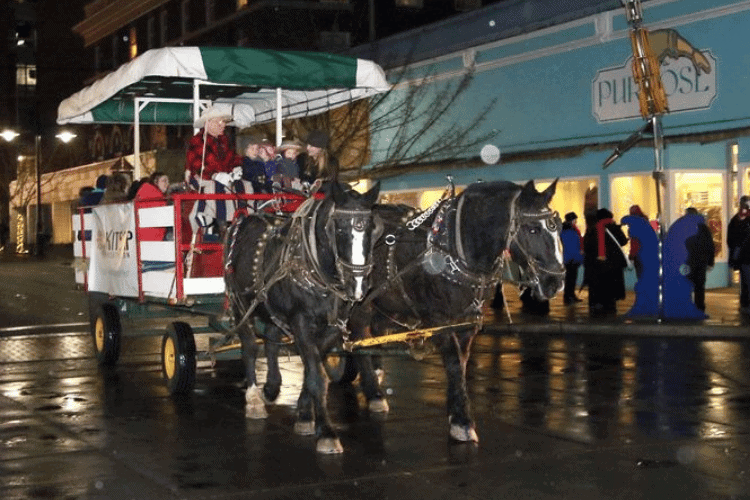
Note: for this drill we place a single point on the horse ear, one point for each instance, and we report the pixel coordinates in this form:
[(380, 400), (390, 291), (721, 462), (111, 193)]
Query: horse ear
[(550, 191), (371, 196), (337, 193), (529, 187)]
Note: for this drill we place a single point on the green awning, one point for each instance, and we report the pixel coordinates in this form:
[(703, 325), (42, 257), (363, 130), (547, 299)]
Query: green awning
[(242, 80)]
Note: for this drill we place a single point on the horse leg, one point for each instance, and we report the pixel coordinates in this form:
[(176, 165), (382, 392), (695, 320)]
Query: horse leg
[(255, 407), (368, 367), (455, 352), (316, 387), (272, 386), (305, 424)]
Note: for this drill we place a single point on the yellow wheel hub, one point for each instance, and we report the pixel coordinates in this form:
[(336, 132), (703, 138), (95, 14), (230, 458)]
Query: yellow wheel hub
[(99, 334), (169, 357)]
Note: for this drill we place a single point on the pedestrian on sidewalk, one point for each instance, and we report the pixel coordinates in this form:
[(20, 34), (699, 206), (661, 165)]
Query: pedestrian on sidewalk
[(738, 241), (700, 255), (605, 263), (635, 244), (572, 256)]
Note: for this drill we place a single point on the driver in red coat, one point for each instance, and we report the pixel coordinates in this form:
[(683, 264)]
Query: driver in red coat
[(218, 157)]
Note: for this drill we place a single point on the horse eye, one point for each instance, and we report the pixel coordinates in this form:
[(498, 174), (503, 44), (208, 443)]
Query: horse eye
[(534, 230)]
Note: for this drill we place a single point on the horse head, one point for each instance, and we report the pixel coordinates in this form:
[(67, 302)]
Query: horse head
[(535, 241), (351, 230)]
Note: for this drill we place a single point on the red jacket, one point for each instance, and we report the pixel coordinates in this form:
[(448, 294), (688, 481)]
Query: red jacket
[(148, 191), (220, 157)]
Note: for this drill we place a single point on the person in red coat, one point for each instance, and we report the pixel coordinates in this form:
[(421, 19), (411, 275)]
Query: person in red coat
[(152, 193), (209, 153), (213, 166)]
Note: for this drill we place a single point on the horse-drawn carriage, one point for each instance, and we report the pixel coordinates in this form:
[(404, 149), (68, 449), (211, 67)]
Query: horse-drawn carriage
[(340, 270), (125, 272)]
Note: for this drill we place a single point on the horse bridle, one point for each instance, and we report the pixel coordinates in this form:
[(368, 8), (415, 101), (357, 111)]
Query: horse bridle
[(359, 219), (552, 222)]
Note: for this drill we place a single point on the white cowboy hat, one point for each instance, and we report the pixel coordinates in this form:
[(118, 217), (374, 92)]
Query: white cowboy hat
[(212, 113)]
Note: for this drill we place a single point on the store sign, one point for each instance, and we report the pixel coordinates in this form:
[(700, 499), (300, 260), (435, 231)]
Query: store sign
[(614, 93)]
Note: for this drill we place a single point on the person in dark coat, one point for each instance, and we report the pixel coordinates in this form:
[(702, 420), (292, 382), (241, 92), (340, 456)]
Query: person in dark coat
[(605, 263), (700, 256), (253, 166), (572, 256), (738, 241), (318, 163)]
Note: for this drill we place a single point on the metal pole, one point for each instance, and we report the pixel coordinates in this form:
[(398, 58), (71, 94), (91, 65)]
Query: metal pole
[(659, 179), (38, 247)]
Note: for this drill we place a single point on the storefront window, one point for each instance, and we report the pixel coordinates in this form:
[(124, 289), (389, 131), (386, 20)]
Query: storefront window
[(703, 191), (629, 190), (571, 196), (421, 199)]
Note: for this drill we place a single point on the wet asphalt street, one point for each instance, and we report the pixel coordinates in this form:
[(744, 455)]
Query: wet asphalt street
[(578, 416)]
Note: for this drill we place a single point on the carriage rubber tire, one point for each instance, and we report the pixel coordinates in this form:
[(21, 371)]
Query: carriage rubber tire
[(341, 369), (178, 358), (107, 334)]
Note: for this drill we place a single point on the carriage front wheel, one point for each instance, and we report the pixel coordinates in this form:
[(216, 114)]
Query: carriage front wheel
[(107, 333), (340, 368), (178, 358)]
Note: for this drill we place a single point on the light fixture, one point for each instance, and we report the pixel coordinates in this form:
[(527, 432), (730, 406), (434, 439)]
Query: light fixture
[(66, 136), (9, 134)]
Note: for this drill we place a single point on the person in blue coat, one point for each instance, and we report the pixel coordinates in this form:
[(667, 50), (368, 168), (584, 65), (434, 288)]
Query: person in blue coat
[(572, 256)]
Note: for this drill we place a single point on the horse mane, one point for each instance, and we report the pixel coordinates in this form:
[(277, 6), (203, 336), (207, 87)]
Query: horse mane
[(486, 215)]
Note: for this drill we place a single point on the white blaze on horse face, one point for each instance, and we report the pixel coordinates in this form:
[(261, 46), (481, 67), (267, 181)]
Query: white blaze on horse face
[(558, 245), (358, 259)]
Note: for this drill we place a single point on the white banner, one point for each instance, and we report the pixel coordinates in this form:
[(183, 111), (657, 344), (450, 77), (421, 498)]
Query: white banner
[(614, 93), (114, 267)]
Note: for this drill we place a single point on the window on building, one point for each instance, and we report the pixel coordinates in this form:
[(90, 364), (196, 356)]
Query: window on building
[(573, 195), (133, 43), (26, 75), (241, 4), (25, 35), (703, 191), (412, 4)]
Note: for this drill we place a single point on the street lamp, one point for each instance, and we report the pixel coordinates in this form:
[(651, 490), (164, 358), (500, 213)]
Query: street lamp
[(65, 136)]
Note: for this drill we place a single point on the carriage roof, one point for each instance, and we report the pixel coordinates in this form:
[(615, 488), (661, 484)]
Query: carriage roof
[(168, 84)]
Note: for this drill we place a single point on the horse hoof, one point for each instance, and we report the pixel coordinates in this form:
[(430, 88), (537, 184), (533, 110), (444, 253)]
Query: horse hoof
[(304, 428), (270, 396), (255, 407), (329, 446), (379, 405), (464, 434), (255, 412)]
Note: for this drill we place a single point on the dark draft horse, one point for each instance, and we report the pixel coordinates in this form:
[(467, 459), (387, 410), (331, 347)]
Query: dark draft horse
[(437, 268), (300, 275)]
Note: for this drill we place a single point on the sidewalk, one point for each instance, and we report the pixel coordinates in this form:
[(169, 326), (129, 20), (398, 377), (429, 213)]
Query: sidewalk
[(722, 306)]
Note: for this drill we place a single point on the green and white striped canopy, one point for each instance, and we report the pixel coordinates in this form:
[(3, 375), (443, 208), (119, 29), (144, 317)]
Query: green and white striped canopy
[(169, 82)]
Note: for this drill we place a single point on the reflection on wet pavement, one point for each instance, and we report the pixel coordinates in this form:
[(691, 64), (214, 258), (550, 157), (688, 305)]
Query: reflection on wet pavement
[(558, 417)]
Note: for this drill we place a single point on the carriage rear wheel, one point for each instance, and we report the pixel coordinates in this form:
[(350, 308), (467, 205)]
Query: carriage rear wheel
[(341, 368), (178, 358), (107, 334)]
